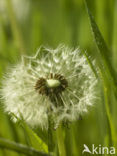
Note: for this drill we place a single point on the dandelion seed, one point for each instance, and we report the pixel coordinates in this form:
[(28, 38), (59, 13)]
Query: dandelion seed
[(59, 81)]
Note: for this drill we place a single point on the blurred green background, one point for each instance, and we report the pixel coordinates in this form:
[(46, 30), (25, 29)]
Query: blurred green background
[(27, 24)]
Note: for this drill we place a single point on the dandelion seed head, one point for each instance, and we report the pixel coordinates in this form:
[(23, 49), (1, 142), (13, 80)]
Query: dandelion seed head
[(56, 80)]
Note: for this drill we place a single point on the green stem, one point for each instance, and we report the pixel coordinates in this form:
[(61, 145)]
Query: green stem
[(51, 136), (60, 139), (10, 145), (50, 139), (15, 27)]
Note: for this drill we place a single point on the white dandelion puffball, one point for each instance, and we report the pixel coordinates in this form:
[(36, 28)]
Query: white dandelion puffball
[(57, 81)]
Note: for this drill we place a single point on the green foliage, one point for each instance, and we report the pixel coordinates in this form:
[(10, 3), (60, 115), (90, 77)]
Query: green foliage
[(33, 139)]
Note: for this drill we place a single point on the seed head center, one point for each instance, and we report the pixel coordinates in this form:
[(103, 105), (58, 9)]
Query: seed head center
[(53, 83)]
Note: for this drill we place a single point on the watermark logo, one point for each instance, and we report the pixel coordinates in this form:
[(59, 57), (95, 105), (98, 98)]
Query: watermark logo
[(98, 150)]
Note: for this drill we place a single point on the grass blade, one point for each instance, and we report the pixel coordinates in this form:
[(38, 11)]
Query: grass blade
[(34, 139), (107, 72), (104, 52), (4, 143)]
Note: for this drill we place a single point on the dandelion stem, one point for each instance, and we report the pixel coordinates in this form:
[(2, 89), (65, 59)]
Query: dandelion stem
[(58, 135), (15, 27), (51, 145), (10, 145)]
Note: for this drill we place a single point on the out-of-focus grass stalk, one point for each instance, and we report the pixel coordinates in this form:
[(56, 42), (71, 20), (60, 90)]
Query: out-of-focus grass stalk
[(35, 32), (14, 132), (20, 148), (114, 53), (68, 141), (71, 11), (114, 42), (71, 140), (74, 128), (15, 28), (3, 152), (3, 45), (110, 120), (100, 12), (60, 140), (104, 15)]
